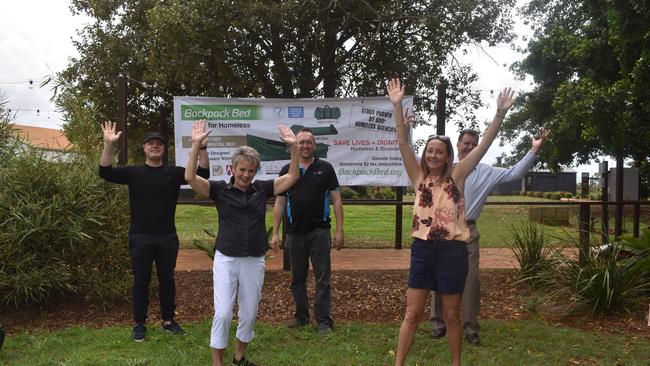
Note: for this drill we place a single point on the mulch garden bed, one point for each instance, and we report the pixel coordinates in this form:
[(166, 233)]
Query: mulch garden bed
[(359, 296)]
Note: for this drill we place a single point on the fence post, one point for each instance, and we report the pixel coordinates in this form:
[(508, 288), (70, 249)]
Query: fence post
[(604, 225), (122, 156), (286, 262), (637, 218), (585, 218), (441, 106), (618, 222), (399, 196), (164, 131)]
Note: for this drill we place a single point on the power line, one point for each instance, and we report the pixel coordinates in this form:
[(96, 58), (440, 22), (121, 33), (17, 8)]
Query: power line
[(30, 82), (146, 85)]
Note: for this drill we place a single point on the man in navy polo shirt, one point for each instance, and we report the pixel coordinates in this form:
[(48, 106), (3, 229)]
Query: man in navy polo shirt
[(307, 206)]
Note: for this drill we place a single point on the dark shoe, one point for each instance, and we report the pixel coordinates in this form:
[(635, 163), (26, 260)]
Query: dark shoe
[(296, 323), (323, 329), (473, 339), (2, 337), (139, 330), (438, 333), (172, 327), (242, 362)]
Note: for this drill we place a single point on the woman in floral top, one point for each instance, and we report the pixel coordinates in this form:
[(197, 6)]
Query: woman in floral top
[(439, 252)]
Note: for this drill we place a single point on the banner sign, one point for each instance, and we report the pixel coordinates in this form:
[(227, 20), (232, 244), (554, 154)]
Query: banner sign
[(357, 135)]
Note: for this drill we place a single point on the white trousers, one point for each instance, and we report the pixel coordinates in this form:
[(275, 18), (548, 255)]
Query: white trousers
[(243, 276)]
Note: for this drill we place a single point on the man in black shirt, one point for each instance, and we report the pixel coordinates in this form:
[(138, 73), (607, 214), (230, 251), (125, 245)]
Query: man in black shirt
[(307, 206), (153, 192)]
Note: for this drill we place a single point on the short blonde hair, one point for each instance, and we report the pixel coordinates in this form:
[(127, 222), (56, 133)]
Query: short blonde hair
[(246, 153)]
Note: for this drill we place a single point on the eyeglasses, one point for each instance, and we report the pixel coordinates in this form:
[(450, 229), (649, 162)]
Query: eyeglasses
[(439, 137)]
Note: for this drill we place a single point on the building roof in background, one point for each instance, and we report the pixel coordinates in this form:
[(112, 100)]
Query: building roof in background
[(565, 170), (44, 138)]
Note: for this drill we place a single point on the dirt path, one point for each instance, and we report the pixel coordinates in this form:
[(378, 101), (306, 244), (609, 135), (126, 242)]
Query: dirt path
[(352, 259)]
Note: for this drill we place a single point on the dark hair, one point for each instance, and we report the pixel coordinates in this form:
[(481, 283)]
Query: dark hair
[(468, 132), (305, 129), (450, 158)]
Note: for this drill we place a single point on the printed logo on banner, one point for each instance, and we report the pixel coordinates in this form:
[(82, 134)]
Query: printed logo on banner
[(373, 119), (296, 112), (218, 112), (217, 170), (327, 112), (277, 112), (229, 169)]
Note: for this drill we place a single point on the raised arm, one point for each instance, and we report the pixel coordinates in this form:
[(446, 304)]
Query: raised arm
[(465, 166), (521, 168), (395, 91), (204, 160), (110, 138), (278, 214), (199, 184), (281, 184)]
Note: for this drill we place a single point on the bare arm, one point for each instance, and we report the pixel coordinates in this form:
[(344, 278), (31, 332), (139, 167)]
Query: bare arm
[(396, 94), (465, 166), (199, 184), (283, 183), (278, 215), (204, 161), (339, 237), (110, 138)]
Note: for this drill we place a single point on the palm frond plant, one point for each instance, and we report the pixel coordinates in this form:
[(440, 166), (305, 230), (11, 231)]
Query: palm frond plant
[(532, 250), (604, 282)]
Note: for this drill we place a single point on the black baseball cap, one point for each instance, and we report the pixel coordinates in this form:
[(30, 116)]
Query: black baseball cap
[(153, 135)]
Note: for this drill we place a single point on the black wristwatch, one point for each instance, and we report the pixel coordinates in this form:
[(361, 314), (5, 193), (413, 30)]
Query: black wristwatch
[(203, 147)]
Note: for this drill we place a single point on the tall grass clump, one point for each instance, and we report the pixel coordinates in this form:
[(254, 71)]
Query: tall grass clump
[(605, 281), (531, 249), (63, 231)]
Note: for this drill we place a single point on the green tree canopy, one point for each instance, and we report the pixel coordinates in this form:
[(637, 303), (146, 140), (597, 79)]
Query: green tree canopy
[(590, 61), (270, 48)]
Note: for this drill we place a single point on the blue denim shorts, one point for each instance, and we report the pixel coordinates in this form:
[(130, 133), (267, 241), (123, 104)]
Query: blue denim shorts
[(439, 265)]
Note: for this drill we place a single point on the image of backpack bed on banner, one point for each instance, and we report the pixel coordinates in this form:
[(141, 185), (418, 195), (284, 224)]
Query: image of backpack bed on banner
[(327, 113)]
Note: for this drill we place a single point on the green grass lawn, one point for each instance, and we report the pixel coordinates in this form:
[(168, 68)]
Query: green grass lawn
[(517, 343), (374, 226)]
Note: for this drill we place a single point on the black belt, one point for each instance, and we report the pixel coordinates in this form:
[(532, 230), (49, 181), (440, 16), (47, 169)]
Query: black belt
[(470, 222)]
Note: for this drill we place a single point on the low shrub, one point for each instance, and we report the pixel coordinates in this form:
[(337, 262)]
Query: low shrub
[(556, 195), (531, 250), (382, 193), (605, 282), (547, 195), (349, 193), (64, 230)]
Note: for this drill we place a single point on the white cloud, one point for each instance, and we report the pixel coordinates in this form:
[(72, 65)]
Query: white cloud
[(36, 42), (35, 39)]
